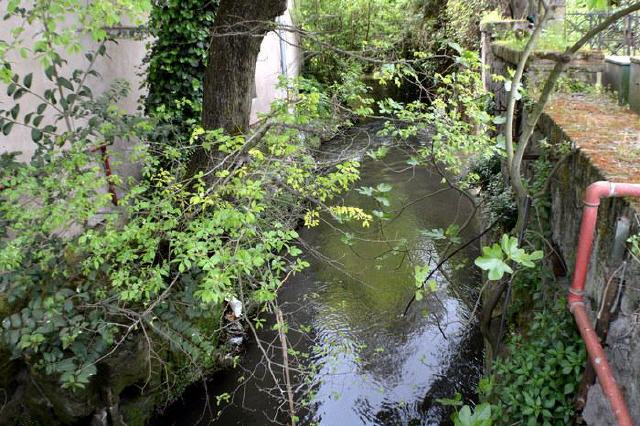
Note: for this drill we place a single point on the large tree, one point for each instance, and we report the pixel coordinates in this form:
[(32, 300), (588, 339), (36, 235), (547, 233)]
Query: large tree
[(238, 30)]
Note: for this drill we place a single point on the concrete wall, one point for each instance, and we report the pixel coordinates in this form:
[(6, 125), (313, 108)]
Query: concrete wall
[(616, 76), (499, 58), (280, 52), (634, 84), (623, 340), (585, 66), (124, 61), (607, 137)]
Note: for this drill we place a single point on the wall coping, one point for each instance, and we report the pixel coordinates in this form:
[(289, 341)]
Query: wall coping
[(512, 55), (618, 60), (606, 133), (504, 25)]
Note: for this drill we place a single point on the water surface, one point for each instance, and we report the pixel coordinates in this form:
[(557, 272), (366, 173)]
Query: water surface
[(373, 365)]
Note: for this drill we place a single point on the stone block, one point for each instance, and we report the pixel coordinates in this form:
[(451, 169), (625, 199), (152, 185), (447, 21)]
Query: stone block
[(616, 76), (567, 191), (634, 84)]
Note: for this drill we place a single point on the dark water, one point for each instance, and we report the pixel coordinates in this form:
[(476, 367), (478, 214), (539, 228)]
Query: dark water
[(373, 366)]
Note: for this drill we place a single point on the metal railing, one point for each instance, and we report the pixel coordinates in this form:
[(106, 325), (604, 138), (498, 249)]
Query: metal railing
[(621, 38)]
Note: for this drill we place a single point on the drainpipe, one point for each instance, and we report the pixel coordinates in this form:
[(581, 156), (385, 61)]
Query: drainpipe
[(106, 164), (595, 192)]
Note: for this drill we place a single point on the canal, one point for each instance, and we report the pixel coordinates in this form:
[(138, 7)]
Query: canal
[(364, 362)]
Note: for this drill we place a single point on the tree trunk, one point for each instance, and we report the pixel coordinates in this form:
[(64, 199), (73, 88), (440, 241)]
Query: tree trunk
[(237, 34), (520, 9)]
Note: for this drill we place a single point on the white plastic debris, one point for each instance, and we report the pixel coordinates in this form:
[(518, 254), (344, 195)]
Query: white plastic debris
[(236, 307), (236, 341)]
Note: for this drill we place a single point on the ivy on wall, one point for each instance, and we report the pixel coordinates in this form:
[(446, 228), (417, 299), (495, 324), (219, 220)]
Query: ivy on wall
[(177, 59)]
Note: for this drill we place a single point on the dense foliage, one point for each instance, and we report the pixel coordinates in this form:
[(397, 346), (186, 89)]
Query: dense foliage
[(536, 384), (177, 59), (81, 277), (457, 115), (462, 23), (340, 34)]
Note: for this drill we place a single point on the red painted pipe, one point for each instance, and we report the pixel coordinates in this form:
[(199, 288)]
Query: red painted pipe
[(107, 171), (595, 192)]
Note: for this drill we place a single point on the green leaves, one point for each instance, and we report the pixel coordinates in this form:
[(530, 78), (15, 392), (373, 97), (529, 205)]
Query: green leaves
[(537, 382), (379, 190), (27, 80), (379, 153), (481, 416), (368, 191), (49, 72), (175, 71), (6, 129), (510, 247), (383, 187), (15, 111), (420, 274), (36, 135), (495, 258), (63, 82), (384, 201), (377, 194), (434, 234), (492, 260)]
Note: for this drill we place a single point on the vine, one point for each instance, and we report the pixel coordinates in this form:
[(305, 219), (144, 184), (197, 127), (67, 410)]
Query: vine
[(177, 60)]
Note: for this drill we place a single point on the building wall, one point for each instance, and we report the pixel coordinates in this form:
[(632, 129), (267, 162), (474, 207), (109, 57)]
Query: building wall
[(280, 54), (125, 61)]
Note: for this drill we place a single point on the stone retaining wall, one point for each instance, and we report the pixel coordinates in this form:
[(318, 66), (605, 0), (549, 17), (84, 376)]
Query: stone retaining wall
[(623, 340), (586, 66), (608, 141)]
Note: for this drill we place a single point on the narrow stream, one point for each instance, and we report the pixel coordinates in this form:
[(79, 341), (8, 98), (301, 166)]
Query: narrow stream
[(373, 366)]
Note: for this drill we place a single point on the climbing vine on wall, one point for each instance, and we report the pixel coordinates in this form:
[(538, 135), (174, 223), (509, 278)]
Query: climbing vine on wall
[(177, 58)]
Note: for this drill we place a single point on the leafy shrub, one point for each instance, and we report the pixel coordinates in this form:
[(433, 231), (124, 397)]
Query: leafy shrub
[(480, 416), (496, 259), (457, 117), (340, 33), (496, 194), (537, 382), (83, 276), (462, 21)]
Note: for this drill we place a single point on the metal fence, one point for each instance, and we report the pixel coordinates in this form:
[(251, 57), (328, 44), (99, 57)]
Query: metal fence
[(621, 38)]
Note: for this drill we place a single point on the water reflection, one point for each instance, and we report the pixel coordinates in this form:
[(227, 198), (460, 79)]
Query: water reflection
[(375, 367)]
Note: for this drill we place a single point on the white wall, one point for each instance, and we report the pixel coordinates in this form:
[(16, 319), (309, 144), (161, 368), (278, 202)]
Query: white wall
[(125, 62), (279, 50)]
